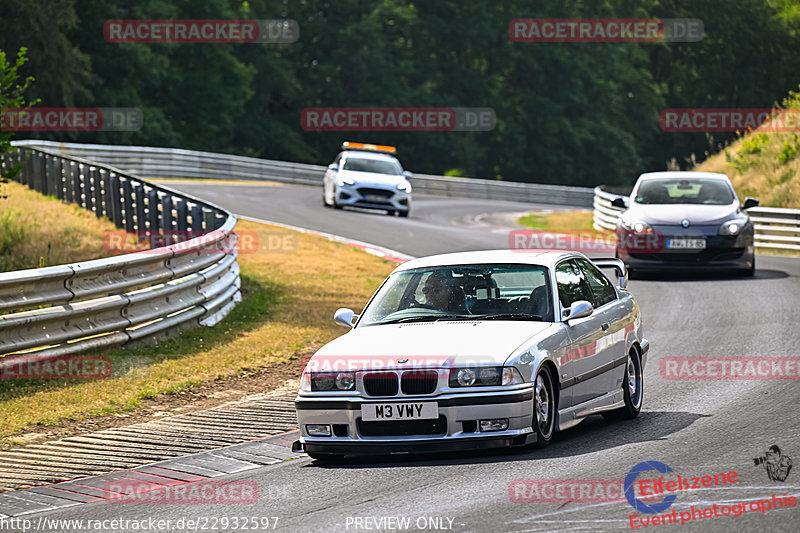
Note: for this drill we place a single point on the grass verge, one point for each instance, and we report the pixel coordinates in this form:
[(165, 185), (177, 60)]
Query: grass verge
[(568, 222), (764, 164), (41, 230), (289, 297)]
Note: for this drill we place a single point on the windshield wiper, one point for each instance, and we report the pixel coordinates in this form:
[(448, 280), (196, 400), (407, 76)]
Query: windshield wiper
[(423, 318), (510, 316)]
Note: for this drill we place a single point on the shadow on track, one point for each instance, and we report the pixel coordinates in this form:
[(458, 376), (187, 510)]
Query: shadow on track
[(592, 435)]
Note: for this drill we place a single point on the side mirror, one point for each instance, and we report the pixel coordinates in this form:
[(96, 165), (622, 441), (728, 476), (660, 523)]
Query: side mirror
[(579, 309), (344, 317), (750, 202), (408, 174), (619, 202)]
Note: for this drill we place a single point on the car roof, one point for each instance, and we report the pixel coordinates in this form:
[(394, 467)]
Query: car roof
[(683, 174), (368, 155), (526, 257)]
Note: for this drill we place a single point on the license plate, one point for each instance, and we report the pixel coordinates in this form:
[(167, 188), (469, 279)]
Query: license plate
[(399, 411), (374, 198), (686, 244)]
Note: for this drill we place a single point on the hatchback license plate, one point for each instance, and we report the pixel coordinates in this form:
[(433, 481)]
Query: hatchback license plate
[(686, 244), (371, 412), (374, 198)]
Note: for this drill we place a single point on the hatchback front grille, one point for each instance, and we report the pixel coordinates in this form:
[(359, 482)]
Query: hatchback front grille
[(371, 191), (380, 384), (419, 381)]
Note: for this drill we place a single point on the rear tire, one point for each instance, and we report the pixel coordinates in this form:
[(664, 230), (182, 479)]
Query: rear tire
[(544, 407), (633, 387)]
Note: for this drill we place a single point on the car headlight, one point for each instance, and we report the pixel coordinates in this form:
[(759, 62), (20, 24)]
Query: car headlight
[(405, 186), (637, 226), (331, 381), (342, 181), (486, 376), (731, 227)]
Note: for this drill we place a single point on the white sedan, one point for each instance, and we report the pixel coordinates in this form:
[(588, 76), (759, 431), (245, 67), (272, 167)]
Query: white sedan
[(475, 350)]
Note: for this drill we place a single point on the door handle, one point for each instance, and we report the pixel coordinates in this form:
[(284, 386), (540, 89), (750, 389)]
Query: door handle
[(605, 326)]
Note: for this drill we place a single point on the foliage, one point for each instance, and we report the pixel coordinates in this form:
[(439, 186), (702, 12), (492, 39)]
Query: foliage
[(568, 113)]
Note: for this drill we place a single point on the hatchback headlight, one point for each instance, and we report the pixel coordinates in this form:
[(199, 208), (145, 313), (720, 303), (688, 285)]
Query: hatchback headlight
[(404, 186), (332, 381), (731, 227), (637, 226), (342, 181)]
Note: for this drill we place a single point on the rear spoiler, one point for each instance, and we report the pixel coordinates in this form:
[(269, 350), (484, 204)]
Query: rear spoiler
[(616, 264)]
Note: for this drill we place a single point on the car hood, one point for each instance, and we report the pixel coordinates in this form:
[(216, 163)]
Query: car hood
[(426, 344), (673, 214), (372, 177)]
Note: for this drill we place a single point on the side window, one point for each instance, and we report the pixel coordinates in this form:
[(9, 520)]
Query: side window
[(602, 289), (571, 285)]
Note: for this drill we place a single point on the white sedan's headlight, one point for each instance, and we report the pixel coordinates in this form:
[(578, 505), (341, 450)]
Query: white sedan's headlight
[(486, 376), (636, 226), (327, 381), (731, 227), (404, 186), (342, 181)]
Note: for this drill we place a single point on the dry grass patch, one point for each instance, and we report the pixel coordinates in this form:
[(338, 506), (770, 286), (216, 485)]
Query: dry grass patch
[(35, 228), (764, 164), (568, 222), (289, 300)]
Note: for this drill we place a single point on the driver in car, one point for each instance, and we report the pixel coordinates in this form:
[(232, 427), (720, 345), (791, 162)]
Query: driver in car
[(437, 291)]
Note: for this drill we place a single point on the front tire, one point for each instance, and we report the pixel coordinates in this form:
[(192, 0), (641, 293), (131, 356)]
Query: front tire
[(633, 387), (544, 407)]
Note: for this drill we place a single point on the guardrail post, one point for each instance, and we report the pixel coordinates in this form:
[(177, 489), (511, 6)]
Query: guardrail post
[(140, 203), (167, 223), (25, 175), (100, 180), (58, 165), (69, 194), (114, 200), (40, 173), (208, 219), (49, 176), (152, 211), (86, 195), (183, 212), (94, 193), (197, 217), (127, 203)]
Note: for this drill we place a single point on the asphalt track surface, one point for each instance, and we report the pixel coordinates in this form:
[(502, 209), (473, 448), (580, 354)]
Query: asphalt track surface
[(696, 427)]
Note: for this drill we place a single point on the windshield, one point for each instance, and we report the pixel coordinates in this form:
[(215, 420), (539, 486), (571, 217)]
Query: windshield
[(705, 191), (378, 166), (464, 292)]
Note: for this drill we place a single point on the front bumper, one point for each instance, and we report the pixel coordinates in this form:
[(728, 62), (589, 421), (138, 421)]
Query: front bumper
[(721, 252), (373, 196), (458, 427)]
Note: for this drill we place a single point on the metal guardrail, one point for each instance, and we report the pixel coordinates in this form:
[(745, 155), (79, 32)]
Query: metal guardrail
[(775, 228), (117, 300), (177, 163)]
